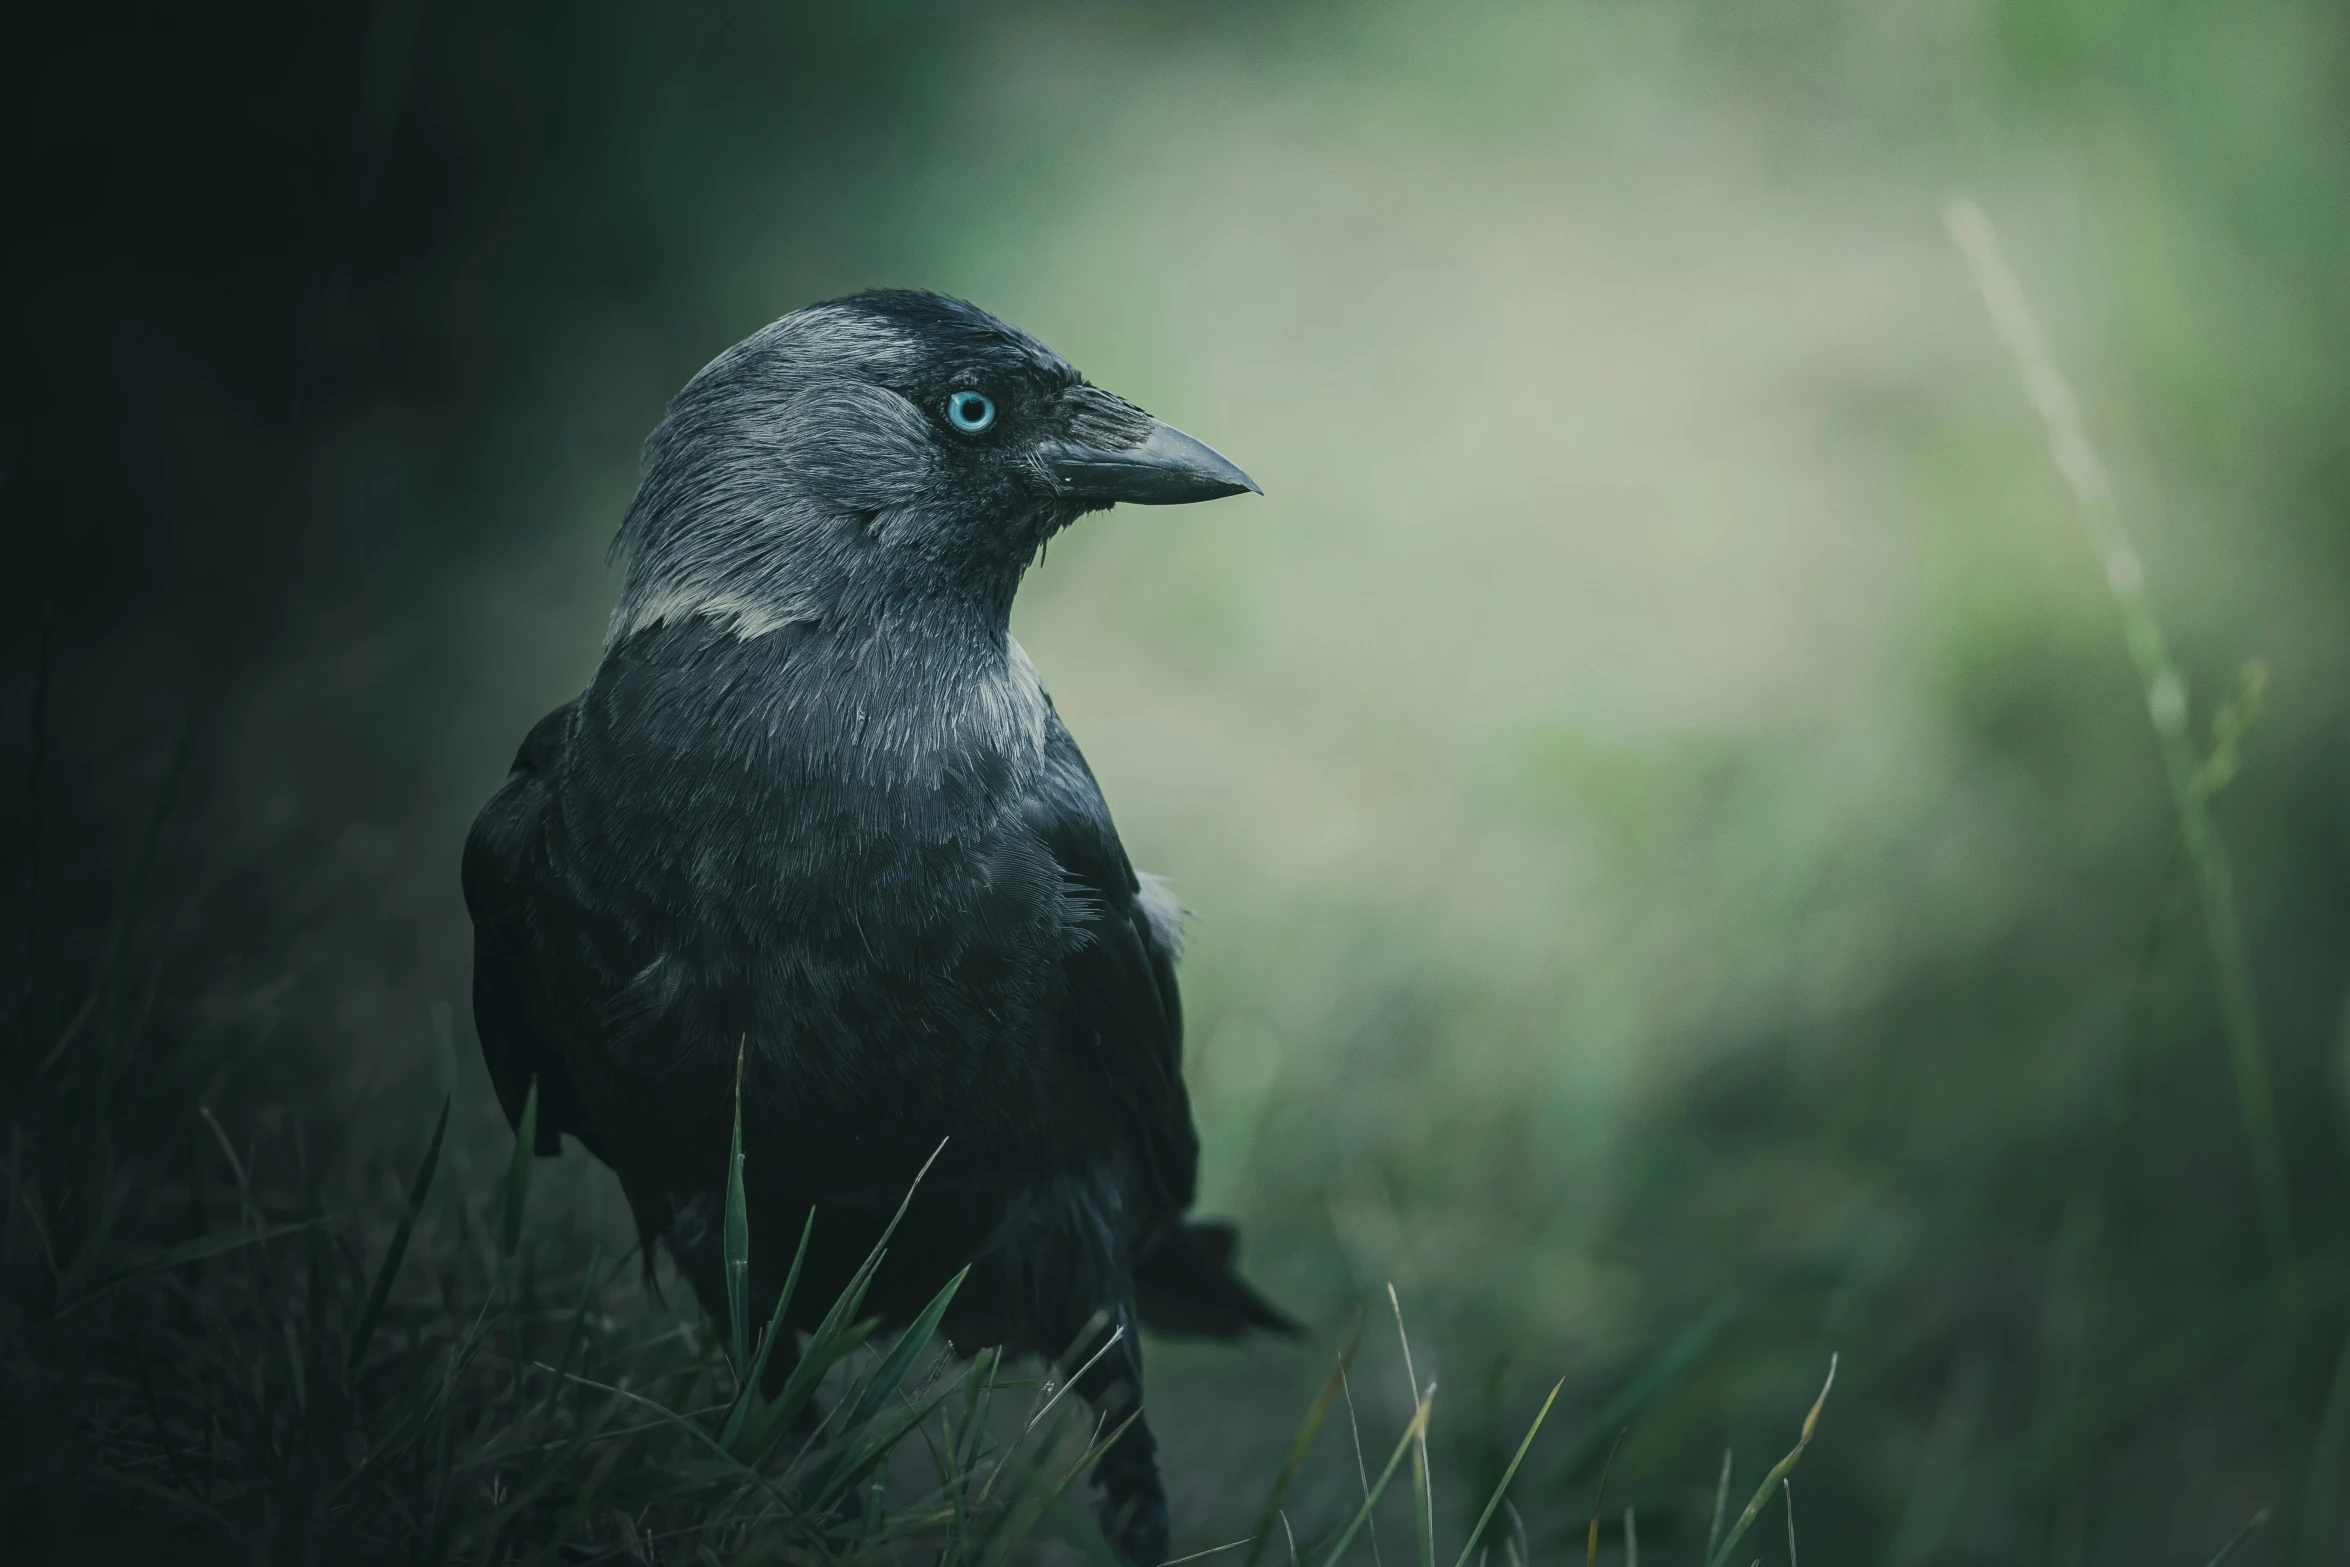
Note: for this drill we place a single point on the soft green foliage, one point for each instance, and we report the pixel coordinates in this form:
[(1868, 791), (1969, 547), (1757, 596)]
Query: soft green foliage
[(207, 1400), (233, 1395)]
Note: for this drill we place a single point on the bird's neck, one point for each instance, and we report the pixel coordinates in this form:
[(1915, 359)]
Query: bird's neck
[(752, 573), (908, 717)]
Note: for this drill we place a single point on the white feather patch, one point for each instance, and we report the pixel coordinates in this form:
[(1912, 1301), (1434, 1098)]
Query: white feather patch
[(1020, 709), (740, 613), (1164, 911)]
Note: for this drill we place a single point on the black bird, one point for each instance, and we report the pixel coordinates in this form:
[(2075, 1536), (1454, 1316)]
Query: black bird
[(815, 801)]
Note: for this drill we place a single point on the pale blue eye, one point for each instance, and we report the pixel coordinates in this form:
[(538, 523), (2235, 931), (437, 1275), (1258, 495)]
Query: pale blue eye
[(970, 412)]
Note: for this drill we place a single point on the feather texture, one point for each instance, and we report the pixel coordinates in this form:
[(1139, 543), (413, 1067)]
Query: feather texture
[(816, 804)]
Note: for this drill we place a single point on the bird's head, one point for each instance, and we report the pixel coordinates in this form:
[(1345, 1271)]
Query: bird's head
[(886, 446)]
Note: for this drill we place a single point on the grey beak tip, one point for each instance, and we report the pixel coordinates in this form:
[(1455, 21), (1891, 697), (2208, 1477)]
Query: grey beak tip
[(1166, 468)]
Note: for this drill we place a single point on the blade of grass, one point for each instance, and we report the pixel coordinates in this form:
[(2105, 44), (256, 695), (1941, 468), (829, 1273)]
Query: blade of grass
[(2166, 704), (1779, 1471), (1028, 1501), (512, 1279), (142, 870), (1423, 1491), (66, 1035), (2252, 1526), (827, 1347), (1298, 1446), (526, 1133), (1661, 1373), (236, 1167), (552, 1467), (583, 1499), (893, 1368), (318, 1262), (1423, 1488), (1493, 1503), (424, 1398), (677, 1422), (1046, 1390), (736, 1236), (171, 1452), (873, 1394), (1713, 1531), (748, 1393), (1403, 1447), (965, 1437), (1060, 1386), (1103, 1442), (196, 1251), (1354, 1426), (26, 1204), (868, 1447), (834, 1337), (1591, 1541), (979, 1403), (363, 1333), (579, 1311)]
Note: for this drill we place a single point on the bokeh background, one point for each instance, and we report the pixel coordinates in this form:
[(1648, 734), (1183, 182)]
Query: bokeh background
[(1680, 858)]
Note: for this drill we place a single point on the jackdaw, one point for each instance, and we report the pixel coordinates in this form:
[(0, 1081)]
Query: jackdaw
[(816, 802)]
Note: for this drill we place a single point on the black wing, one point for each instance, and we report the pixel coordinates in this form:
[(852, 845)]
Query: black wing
[(505, 860), (1122, 1012), (1123, 1015)]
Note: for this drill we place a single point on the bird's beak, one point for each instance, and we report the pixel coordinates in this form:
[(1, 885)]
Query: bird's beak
[(1168, 468)]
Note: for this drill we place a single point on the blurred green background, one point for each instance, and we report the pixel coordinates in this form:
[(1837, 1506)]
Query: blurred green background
[(1678, 847)]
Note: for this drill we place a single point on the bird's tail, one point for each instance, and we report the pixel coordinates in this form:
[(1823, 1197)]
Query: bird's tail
[(1185, 1285)]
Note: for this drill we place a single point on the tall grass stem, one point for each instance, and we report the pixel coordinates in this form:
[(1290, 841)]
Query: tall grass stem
[(2166, 706), (1779, 1472)]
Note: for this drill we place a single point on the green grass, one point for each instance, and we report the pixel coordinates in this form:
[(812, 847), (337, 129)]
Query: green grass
[(478, 1386), (448, 1379)]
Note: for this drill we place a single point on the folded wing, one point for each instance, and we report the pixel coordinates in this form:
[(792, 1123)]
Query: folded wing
[(1122, 1019)]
